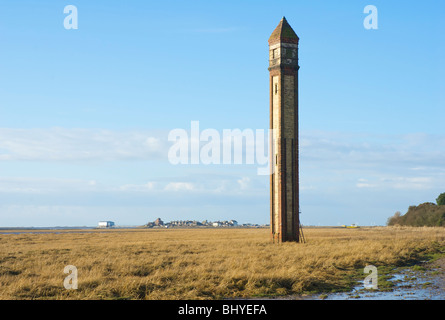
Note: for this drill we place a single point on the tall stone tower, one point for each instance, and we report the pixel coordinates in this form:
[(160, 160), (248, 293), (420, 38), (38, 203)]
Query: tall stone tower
[(284, 185)]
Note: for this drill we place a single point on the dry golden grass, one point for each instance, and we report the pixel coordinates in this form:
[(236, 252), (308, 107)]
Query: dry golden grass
[(200, 263)]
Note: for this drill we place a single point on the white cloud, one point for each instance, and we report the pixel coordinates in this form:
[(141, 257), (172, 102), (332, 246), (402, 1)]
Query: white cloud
[(404, 183), (43, 185), (415, 183), (337, 170), (149, 186), (153, 143), (325, 149), (244, 182), (62, 144), (179, 186), (417, 150), (363, 183)]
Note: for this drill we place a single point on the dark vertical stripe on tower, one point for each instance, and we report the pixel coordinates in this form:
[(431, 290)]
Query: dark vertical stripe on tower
[(272, 168), (282, 154), (297, 160)]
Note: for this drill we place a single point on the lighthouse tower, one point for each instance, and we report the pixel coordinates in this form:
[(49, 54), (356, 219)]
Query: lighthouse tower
[(284, 184)]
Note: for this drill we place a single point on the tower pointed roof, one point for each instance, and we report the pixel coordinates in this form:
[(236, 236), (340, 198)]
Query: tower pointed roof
[(283, 33)]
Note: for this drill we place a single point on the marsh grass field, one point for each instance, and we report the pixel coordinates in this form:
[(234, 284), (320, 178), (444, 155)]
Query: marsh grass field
[(204, 263)]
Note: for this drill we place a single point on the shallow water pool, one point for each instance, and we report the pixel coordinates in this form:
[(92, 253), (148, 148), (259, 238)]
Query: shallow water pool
[(407, 285)]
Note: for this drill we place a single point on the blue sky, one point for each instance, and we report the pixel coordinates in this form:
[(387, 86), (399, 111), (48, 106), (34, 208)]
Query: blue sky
[(85, 114)]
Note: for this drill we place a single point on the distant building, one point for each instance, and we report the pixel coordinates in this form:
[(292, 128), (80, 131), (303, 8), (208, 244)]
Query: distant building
[(190, 223), (158, 222), (105, 224)]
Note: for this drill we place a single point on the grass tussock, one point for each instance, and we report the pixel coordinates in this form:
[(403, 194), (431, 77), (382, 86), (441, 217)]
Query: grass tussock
[(203, 263)]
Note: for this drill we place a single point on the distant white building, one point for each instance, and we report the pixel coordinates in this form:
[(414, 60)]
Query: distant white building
[(105, 224)]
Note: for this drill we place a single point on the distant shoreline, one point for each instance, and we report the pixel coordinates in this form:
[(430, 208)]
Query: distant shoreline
[(142, 227)]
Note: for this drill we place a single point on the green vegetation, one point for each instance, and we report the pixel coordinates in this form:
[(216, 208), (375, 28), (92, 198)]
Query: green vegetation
[(441, 199), (426, 214)]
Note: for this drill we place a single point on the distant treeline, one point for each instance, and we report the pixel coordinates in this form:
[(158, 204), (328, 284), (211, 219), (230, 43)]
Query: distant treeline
[(426, 214)]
